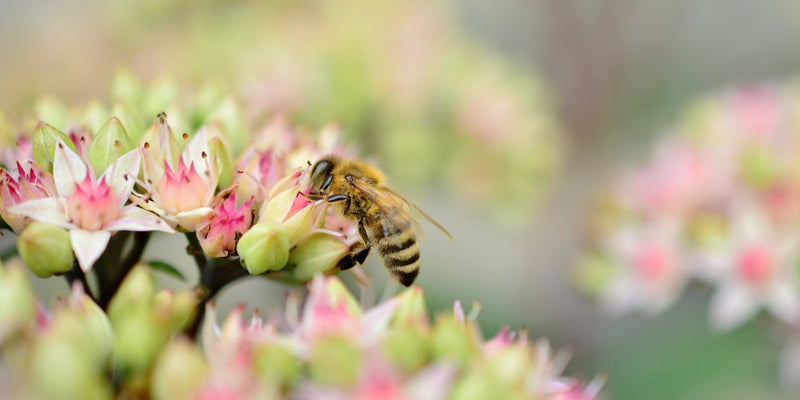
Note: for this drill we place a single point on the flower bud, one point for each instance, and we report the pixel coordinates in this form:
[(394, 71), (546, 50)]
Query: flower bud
[(510, 365), (292, 212), (452, 341), (52, 110), (139, 338), (84, 325), (480, 383), (174, 310), (108, 144), (319, 253), (17, 304), (265, 247), (94, 116), (335, 361), (219, 152), (411, 311), (407, 348), (46, 249), (179, 371), (58, 370), (277, 365), (136, 292), (130, 120), (45, 138)]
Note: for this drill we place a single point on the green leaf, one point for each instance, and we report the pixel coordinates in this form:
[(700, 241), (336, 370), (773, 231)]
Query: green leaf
[(167, 268)]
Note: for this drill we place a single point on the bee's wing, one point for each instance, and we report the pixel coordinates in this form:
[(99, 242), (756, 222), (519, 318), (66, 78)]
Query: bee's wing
[(395, 207)]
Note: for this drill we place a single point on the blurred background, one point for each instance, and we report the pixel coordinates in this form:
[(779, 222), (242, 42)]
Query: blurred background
[(501, 119)]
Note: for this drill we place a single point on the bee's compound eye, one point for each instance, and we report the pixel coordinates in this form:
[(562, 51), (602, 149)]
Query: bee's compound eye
[(320, 167)]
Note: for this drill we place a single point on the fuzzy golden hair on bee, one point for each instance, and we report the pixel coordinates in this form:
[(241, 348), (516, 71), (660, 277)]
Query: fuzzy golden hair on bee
[(386, 220)]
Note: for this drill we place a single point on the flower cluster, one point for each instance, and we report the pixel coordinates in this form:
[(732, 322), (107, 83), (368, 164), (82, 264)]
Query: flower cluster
[(333, 349), (718, 203), (82, 184)]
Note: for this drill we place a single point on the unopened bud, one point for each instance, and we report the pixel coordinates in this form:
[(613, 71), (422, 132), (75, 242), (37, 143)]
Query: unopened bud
[(17, 304), (136, 291), (45, 139), (265, 247), (277, 365), (335, 361), (407, 348), (108, 144), (411, 310), (179, 371), (452, 341), (319, 253), (46, 249)]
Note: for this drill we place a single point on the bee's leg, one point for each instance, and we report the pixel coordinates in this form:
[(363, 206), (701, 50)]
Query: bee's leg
[(341, 197), (358, 255)]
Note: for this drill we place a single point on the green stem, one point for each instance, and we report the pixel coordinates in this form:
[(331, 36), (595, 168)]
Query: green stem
[(76, 274), (117, 268), (215, 274)]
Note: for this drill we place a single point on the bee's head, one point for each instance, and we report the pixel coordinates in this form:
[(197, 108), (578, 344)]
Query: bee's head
[(321, 175)]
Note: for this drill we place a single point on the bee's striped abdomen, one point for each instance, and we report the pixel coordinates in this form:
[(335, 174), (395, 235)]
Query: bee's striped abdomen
[(400, 253)]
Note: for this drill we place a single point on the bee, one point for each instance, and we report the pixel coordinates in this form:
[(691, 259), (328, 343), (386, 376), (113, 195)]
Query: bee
[(386, 220)]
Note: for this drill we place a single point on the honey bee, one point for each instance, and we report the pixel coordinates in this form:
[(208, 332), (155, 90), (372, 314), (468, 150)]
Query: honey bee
[(385, 219)]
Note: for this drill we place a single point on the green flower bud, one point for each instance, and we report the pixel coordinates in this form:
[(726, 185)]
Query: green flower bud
[(58, 370), (94, 116), (17, 304), (126, 87), (160, 96), (277, 208), (479, 383), (411, 310), (511, 365), (219, 152), (110, 142), (228, 113), (335, 361), (45, 138), (317, 254), (175, 310), (138, 339), (136, 292), (179, 371), (130, 120), (277, 365), (84, 325), (452, 341), (52, 110), (46, 249), (407, 348), (265, 247)]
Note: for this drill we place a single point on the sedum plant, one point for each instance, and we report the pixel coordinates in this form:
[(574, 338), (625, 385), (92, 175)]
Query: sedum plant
[(87, 189), (714, 206)]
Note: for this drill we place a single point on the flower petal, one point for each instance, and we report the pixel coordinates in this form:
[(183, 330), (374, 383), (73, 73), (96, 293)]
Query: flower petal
[(137, 219), (376, 321), (731, 305), (88, 246), (68, 169), (122, 173), (192, 220), (783, 302), (52, 210)]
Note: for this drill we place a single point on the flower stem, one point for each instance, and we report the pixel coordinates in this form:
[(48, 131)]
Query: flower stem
[(76, 274), (215, 274), (114, 270)]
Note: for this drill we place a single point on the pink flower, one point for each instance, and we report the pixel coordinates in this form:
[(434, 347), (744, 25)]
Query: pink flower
[(91, 208), (754, 269), (218, 237), (180, 188), (652, 272), (23, 185)]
